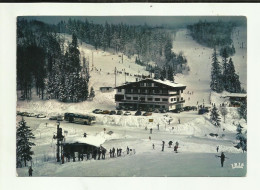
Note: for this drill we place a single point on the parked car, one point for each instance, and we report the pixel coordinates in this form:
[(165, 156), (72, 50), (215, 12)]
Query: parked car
[(59, 118), (138, 113), (187, 108), (127, 113), (41, 116), (97, 111), (156, 111), (18, 113), (119, 112), (24, 114), (194, 108), (203, 110), (113, 112), (53, 118), (106, 112), (147, 114), (31, 115), (177, 110)]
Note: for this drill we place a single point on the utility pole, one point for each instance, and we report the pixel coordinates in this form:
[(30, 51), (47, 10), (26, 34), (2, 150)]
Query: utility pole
[(59, 138), (115, 76)]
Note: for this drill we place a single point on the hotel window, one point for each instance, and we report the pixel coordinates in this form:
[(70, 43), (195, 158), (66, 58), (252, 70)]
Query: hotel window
[(171, 99), (165, 100), (119, 90), (128, 98), (174, 99), (135, 98), (143, 91), (149, 84), (150, 99), (165, 91), (157, 99), (181, 98), (157, 91), (142, 84)]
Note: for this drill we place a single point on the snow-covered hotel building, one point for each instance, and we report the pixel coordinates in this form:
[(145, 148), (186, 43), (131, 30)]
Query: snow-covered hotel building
[(150, 93)]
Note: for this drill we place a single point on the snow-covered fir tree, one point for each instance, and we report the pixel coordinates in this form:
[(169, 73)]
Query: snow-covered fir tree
[(216, 83), (24, 145), (242, 138), (233, 84), (214, 117), (224, 66)]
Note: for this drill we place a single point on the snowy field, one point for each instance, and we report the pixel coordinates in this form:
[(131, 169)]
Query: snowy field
[(197, 153)]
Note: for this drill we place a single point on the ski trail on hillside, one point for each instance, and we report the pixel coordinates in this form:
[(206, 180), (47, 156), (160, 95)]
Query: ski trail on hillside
[(199, 61)]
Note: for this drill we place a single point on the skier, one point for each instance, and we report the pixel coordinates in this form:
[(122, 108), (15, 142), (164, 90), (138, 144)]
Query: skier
[(217, 148), (163, 145), (99, 153), (151, 131), (30, 171), (158, 126), (113, 152), (179, 120), (222, 158), (177, 144), (175, 149), (170, 144), (149, 137), (110, 153), (103, 154), (117, 152), (153, 146), (127, 150)]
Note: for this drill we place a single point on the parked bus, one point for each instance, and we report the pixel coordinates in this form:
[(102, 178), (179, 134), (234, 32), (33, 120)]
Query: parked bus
[(79, 118)]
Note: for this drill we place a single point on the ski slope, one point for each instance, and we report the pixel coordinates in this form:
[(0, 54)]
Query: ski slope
[(197, 150)]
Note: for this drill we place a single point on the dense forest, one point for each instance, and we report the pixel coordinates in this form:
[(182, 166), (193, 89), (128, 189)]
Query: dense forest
[(44, 62), (57, 69), (212, 34)]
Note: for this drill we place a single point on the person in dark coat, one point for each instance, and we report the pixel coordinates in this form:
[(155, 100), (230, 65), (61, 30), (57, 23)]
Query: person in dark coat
[(163, 146), (99, 153), (127, 150), (110, 153), (117, 152), (113, 152), (151, 131), (103, 153), (217, 148), (30, 171), (153, 146), (170, 144), (222, 158)]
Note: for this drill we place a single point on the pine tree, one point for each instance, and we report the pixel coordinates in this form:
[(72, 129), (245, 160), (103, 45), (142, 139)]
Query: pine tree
[(241, 138), (224, 65), (24, 136), (216, 76), (214, 117), (233, 84)]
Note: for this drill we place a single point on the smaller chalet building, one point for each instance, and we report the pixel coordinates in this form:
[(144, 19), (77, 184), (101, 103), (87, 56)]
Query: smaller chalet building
[(150, 93), (236, 99)]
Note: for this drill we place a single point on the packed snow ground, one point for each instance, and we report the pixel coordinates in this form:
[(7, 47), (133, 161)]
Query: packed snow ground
[(197, 150)]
